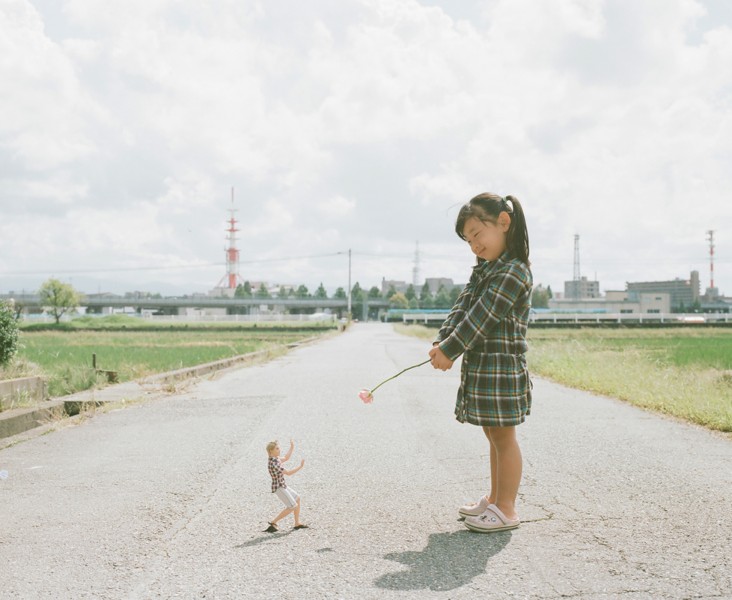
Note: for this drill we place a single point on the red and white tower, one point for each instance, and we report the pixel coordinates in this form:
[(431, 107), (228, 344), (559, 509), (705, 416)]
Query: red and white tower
[(232, 277)]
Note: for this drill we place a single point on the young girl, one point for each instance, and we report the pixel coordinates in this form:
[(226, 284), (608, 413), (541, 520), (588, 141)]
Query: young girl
[(487, 326)]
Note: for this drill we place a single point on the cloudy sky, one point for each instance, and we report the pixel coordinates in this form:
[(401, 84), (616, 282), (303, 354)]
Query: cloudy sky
[(363, 125)]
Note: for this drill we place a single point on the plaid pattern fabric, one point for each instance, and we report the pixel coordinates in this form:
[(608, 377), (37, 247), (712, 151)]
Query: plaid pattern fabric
[(276, 471), (488, 326)]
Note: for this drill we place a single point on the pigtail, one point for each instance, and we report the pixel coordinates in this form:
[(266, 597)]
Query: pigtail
[(488, 207), (517, 238)]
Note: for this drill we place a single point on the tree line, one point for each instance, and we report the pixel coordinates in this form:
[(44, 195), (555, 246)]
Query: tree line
[(442, 299)]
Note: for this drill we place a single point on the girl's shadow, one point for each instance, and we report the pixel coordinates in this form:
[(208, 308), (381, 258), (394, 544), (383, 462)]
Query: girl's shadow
[(449, 561)]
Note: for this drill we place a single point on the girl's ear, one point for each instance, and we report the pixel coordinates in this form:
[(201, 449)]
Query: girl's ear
[(504, 222)]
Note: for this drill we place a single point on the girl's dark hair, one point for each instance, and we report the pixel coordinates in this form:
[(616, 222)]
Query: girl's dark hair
[(487, 207)]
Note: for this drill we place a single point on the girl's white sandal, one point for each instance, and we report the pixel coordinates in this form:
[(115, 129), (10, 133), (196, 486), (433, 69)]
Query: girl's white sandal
[(491, 520), (474, 510)]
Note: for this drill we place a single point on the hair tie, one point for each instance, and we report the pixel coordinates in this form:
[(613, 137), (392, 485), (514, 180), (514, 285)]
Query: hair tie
[(507, 205)]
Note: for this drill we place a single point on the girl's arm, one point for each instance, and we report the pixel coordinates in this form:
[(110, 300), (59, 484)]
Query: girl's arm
[(491, 308), (456, 314)]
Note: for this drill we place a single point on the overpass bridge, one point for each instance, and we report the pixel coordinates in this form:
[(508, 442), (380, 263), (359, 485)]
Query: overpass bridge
[(171, 306)]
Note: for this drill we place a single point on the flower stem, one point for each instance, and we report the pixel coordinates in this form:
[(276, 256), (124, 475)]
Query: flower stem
[(399, 373)]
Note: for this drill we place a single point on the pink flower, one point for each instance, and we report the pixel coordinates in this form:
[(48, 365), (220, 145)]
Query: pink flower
[(366, 396)]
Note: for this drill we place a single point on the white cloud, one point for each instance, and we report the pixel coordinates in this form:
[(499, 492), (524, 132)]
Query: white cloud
[(44, 106), (336, 206), (362, 125)]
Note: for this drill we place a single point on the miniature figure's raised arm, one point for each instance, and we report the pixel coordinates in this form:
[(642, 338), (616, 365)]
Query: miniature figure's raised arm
[(289, 452), (296, 469)]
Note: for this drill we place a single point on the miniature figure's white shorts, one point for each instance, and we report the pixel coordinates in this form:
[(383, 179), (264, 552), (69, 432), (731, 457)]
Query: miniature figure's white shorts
[(288, 496)]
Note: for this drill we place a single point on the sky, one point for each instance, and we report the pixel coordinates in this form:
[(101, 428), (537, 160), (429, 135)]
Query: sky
[(361, 125)]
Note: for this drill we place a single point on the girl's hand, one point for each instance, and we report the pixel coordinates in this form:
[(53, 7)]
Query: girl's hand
[(438, 360)]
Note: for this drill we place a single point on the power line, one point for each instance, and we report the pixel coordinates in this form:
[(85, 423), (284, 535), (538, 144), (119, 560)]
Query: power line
[(162, 267), (446, 256)]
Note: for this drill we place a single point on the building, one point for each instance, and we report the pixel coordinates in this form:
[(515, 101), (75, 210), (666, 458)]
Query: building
[(616, 302), (399, 286), (579, 289), (684, 293)]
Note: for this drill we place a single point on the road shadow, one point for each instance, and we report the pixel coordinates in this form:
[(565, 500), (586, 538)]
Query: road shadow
[(263, 539), (449, 561)]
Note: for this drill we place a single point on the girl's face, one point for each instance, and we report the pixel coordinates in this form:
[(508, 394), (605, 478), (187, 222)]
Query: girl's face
[(487, 240)]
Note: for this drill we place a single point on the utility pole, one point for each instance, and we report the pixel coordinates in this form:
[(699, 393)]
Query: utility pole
[(349, 284), (348, 292)]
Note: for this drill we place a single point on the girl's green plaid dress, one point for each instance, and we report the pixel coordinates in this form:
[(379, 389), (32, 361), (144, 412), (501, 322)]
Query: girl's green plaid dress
[(488, 326)]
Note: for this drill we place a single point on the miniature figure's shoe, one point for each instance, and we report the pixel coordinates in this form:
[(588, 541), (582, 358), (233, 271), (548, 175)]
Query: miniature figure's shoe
[(491, 520), (475, 509), (271, 529), (301, 526)]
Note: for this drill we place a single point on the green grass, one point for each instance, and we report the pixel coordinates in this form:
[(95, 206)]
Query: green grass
[(128, 323), (686, 373), (63, 355)]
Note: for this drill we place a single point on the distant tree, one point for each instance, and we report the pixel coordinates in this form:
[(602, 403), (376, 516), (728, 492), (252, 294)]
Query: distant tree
[(243, 291), (540, 297), (390, 292), (454, 293), (282, 293), (414, 303), (8, 333), (58, 298), (340, 294), (442, 298), (373, 294), (321, 293), (549, 291), (410, 293), (302, 292), (357, 298), (398, 300), (263, 292), (425, 297)]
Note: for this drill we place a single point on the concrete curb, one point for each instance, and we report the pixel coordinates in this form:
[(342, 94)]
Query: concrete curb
[(20, 420), (32, 387)]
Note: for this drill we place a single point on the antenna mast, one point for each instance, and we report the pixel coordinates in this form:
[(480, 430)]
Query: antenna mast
[(232, 277), (576, 258), (415, 269), (710, 238)]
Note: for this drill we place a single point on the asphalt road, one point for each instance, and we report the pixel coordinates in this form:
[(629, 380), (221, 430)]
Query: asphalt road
[(168, 498)]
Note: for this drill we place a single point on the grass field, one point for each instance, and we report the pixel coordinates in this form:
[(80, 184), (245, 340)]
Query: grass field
[(63, 356), (683, 372)]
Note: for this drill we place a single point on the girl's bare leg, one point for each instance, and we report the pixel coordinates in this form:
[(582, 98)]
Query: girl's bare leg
[(508, 468), (494, 462)]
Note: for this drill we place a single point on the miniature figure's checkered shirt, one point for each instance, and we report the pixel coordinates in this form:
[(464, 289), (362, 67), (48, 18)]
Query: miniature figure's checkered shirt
[(277, 473)]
